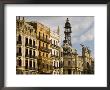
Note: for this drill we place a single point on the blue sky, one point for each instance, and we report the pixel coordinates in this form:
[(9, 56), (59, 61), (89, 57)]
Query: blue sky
[(82, 28)]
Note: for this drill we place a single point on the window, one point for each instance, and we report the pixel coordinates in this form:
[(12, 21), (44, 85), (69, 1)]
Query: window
[(54, 63), (47, 66), (61, 54), (43, 44), (43, 54), (51, 41), (43, 65), (30, 41), (39, 34), (34, 64), (54, 42), (19, 50), (46, 45), (30, 63), (26, 41), (26, 64), (57, 64), (46, 37), (33, 43), (39, 53), (69, 63), (57, 53), (46, 55), (26, 52), (43, 36), (39, 43), (33, 53), (54, 52), (19, 62), (19, 38), (51, 52), (30, 52)]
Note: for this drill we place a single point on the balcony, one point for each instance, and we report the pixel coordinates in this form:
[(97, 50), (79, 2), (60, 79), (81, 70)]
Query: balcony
[(44, 39), (44, 49), (19, 54), (19, 42)]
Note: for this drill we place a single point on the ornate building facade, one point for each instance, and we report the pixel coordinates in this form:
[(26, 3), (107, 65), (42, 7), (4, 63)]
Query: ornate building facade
[(39, 51), (26, 48), (55, 51), (73, 63)]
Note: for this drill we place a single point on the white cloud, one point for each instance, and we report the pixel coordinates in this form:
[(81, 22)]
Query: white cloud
[(89, 35)]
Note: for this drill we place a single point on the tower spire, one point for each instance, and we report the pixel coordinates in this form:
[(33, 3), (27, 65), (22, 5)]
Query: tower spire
[(58, 30), (67, 32)]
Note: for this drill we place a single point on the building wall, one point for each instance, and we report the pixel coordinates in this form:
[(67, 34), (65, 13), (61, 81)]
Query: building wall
[(55, 51), (43, 35), (38, 51), (26, 58)]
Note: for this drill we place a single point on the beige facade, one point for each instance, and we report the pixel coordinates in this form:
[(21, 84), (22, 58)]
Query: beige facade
[(43, 35), (55, 51), (39, 51), (26, 56)]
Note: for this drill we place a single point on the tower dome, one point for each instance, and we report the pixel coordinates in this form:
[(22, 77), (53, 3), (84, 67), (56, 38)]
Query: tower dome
[(67, 24)]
